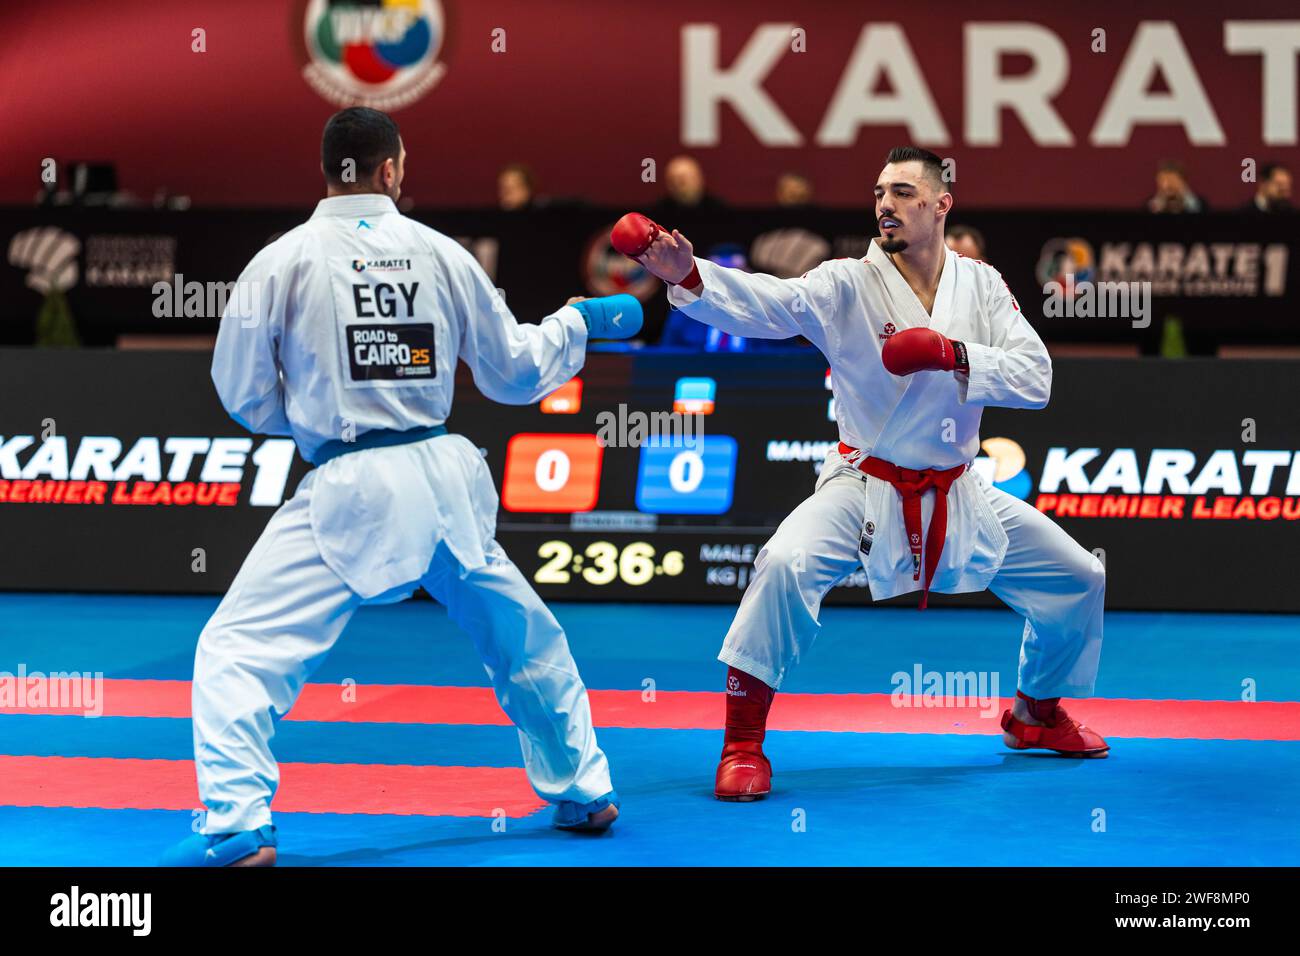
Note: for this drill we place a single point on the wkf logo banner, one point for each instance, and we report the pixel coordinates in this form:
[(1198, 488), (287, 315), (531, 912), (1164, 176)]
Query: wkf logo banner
[(382, 54)]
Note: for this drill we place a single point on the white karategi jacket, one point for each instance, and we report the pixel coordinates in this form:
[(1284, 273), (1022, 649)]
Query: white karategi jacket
[(848, 308), (354, 321)]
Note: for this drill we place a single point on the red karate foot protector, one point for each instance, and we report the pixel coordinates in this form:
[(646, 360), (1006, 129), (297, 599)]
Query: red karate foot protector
[(744, 773), (1059, 731)]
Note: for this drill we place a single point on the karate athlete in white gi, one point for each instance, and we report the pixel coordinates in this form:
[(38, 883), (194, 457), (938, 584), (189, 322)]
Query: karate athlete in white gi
[(351, 346), (920, 340)]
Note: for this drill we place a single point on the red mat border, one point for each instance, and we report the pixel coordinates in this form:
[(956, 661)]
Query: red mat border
[(703, 710)]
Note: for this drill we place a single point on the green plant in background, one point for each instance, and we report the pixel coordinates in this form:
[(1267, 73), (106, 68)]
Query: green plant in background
[(1172, 342), (55, 327)]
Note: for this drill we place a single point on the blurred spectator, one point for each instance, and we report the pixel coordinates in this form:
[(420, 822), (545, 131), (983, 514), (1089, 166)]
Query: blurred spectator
[(966, 241), (1274, 192), (1173, 194), (515, 187), (684, 182), (793, 190)]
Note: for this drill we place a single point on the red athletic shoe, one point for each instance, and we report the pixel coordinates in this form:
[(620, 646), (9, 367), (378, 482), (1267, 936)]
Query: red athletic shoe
[(744, 774), (1064, 734)]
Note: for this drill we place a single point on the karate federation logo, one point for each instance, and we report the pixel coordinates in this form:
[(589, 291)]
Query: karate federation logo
[(889, 330), (377, 53), (1066, 263)]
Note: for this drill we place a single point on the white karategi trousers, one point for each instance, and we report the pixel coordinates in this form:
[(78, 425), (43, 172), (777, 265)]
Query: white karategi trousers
[(429, 505), (1053, 582)]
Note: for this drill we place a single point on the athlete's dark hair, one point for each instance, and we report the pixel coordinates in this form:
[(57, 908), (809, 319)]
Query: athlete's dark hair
[(365, 136), (931, 163)]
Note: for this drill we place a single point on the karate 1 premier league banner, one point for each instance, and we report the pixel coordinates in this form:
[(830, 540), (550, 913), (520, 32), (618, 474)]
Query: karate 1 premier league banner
[(120, 472)]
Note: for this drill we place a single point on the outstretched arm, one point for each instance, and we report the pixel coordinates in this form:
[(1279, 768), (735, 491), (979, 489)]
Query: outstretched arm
[(519, 364), (739, 303)]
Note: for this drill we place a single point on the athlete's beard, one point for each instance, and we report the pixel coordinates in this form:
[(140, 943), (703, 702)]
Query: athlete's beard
[(892, 244)]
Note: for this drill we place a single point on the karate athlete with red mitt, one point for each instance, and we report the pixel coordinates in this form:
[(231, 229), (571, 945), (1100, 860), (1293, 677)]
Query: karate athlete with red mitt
[(920, 340)]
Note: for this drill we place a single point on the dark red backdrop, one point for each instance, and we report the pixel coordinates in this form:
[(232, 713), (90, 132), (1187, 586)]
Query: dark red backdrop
[(585, 91)]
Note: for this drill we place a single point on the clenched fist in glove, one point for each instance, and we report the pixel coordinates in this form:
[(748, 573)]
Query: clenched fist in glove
[(923, 350), (610, 316), (633, 234), (667, 255)]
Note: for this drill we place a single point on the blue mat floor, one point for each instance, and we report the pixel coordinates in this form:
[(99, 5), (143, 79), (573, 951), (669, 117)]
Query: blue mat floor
[(839, 798)]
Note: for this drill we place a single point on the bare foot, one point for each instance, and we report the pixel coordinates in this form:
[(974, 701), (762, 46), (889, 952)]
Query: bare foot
[(603, 819), (263, 857)]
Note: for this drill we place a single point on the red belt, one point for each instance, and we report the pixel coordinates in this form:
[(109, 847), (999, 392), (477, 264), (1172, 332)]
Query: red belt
[(912, 484)]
